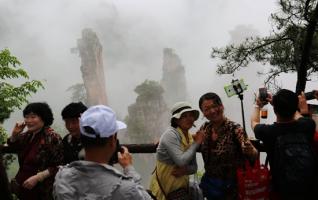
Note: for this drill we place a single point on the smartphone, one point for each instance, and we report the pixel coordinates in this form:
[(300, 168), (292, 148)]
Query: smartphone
[(229, 90), (263, 94), (236, 87), (310, 95)]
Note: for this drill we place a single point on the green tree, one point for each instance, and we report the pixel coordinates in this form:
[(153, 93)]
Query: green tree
[(291, 47), (12, 96)]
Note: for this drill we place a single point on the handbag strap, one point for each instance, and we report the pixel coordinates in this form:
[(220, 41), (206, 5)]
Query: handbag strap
[(160, 184)]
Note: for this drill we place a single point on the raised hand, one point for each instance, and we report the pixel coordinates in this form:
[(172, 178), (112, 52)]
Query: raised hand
[(125, 158), (18, 128), (302, 104)]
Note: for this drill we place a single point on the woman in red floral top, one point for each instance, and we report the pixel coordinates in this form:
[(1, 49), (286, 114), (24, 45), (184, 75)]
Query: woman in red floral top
[(223, 150), (39, 153)]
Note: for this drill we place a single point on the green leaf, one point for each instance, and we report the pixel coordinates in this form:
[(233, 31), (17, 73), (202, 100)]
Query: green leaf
[(14, 96)]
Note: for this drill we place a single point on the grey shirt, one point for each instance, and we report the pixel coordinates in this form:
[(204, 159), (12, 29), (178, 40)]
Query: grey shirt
[(170, 151), (89, 180)]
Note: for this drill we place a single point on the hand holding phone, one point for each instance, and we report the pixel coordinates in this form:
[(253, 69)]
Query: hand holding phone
[(114, 159), (18, 128), (124, 157), (263, 95)]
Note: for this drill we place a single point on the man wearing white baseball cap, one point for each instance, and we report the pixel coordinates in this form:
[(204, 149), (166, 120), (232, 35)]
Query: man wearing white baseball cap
[(94, 178)]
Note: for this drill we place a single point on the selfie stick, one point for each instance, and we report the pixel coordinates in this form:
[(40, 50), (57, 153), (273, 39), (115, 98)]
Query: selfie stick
[(239, 91), (242, 108)]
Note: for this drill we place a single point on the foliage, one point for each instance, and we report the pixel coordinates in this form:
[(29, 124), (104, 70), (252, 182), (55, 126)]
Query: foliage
[(148, 90), (78, 93), (3, 136), (8, 158), (291, 47), (11, 96)]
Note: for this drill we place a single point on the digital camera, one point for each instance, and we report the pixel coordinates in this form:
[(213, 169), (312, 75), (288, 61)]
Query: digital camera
[(114, 159)]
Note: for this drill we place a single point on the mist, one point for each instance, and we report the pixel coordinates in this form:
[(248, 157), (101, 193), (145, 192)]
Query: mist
[(133, 34)]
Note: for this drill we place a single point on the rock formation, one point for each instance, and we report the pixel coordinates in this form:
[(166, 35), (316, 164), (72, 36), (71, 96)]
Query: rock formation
[(92, 68), (173, 78), (149, 116)]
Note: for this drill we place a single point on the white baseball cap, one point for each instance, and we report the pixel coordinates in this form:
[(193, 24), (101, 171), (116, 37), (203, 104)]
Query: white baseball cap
[(100, 121)]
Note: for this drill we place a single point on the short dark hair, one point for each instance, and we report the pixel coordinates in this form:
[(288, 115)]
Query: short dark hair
[(73, 110), (89, 142), (41, 109), (173, 122), (210, 96), (285, 103)]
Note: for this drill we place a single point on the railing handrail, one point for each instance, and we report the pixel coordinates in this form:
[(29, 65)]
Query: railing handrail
[(137, 148)]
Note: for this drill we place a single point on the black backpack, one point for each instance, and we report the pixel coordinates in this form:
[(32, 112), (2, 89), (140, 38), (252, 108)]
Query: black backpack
[(295, 164)]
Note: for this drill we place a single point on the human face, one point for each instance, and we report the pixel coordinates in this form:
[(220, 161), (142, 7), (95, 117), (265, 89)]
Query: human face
[(33, 122), (212, 111), (72, 125), (185, 122)]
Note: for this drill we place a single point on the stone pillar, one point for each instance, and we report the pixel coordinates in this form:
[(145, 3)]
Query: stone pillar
[(173, 78), (92, 68)]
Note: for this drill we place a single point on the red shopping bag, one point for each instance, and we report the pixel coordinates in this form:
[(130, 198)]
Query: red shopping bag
[(253, 181)]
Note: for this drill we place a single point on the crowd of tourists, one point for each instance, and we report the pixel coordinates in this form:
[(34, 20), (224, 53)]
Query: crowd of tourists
[(80, 165)]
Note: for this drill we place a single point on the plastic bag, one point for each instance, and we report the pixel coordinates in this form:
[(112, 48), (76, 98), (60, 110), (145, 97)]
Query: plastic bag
[(194, 189), (253, 181)]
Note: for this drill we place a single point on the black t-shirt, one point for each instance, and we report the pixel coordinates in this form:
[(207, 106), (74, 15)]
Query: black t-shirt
[(71, 148), (269, 133)]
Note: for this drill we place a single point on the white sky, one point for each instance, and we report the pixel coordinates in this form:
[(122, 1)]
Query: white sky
[(133, 34)]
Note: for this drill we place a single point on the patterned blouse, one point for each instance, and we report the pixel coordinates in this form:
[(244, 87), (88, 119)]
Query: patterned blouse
[(223, 149), (37, 153)]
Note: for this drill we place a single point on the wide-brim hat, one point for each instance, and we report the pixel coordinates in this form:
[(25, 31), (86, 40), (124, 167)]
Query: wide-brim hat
[(181, 107)]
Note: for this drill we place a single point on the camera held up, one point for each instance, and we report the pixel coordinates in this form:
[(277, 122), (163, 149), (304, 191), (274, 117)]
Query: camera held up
[(263, 95), (114, 159)]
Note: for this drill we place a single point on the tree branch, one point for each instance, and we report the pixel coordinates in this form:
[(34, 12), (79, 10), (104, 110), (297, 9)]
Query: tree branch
[(306, 10), (302, 69)]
